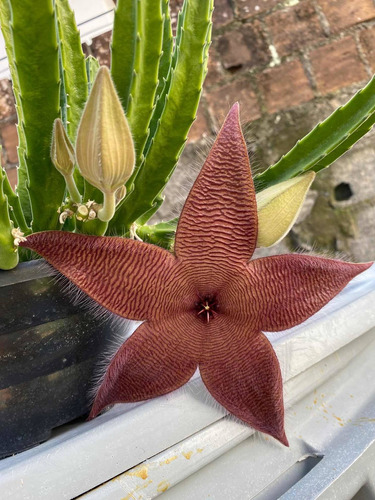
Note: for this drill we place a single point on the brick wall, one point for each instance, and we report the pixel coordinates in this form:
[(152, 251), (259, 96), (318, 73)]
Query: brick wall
[(274, 56), (289, 63)]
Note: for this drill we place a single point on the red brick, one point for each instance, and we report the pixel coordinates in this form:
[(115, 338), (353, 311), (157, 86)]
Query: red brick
[(292, 29), (285, 86), (200, 127), (248, 8), (215, 70), (243, 48), (10, 142), (100, 48), (220, 100), (223, 13), (7, 107), (367, 38), (344, 13), (233, 50), (12, 176), (256, 41), (337, 65)]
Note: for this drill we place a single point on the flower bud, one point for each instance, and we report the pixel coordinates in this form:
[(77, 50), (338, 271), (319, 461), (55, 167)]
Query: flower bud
[(62, 151), (105, 150), (83, 211), (278, 208)]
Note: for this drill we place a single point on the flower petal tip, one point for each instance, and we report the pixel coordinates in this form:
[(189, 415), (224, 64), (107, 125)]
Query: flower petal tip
[(233, 115), (93, 413), (235, 108), (282, 438), (100, 403)]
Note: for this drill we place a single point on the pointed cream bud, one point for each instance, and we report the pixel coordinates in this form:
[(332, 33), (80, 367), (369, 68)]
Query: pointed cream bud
[(279, 206), (62, 151), (63, 157), (105, 150)]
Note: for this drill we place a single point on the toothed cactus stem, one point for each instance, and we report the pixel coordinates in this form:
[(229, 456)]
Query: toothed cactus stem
[(107, 211), (8, 252)]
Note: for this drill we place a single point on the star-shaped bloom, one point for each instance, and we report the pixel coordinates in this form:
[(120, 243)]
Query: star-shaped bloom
[(206, 305)]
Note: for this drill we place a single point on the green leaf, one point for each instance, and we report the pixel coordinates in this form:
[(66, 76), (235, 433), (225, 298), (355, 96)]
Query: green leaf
[(22, 189), (123, 46), (73, 62), (327, 141), (37, 66), (8, 257), (177, 116), (146, 68)]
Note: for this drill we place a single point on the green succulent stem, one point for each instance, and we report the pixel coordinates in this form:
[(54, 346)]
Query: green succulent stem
[(181, 100), (146, 67), (161, 234), (107, 211), (124, 35), (23, 179), (8, 255), (94, 227), (73, 65), (327, 141), (36, 63), (72, 188), (15, 206)]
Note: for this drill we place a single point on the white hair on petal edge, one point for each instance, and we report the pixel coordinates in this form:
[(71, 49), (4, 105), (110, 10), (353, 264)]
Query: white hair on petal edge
[(120, 328)]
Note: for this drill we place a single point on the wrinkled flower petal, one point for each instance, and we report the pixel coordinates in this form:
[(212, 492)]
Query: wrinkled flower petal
[(125, 276), (207, 304), (155, 360), (241, 371), (291, 288), (218, 224)]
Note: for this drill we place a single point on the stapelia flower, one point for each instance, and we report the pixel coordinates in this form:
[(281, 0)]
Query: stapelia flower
[(205, 305)]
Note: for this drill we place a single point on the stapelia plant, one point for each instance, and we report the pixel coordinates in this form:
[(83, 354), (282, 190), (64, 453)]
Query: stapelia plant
[(158, 79), (206, 304)]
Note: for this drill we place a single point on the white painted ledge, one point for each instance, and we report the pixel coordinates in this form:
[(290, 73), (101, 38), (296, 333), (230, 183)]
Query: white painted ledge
[(184, 446)]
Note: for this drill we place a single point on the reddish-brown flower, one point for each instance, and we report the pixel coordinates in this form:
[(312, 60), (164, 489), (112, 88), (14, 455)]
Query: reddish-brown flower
[(207, 304)]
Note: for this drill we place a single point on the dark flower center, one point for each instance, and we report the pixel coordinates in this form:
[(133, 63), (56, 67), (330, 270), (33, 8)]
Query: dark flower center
[(206, 307)]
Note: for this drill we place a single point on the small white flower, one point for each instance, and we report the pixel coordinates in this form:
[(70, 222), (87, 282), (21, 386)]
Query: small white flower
[(18, 236)]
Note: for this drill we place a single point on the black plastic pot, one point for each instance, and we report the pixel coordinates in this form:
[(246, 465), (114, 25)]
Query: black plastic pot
[(49, 349)]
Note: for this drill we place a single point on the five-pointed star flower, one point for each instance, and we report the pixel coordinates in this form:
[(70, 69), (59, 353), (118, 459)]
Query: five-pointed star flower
[(207, 304)]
